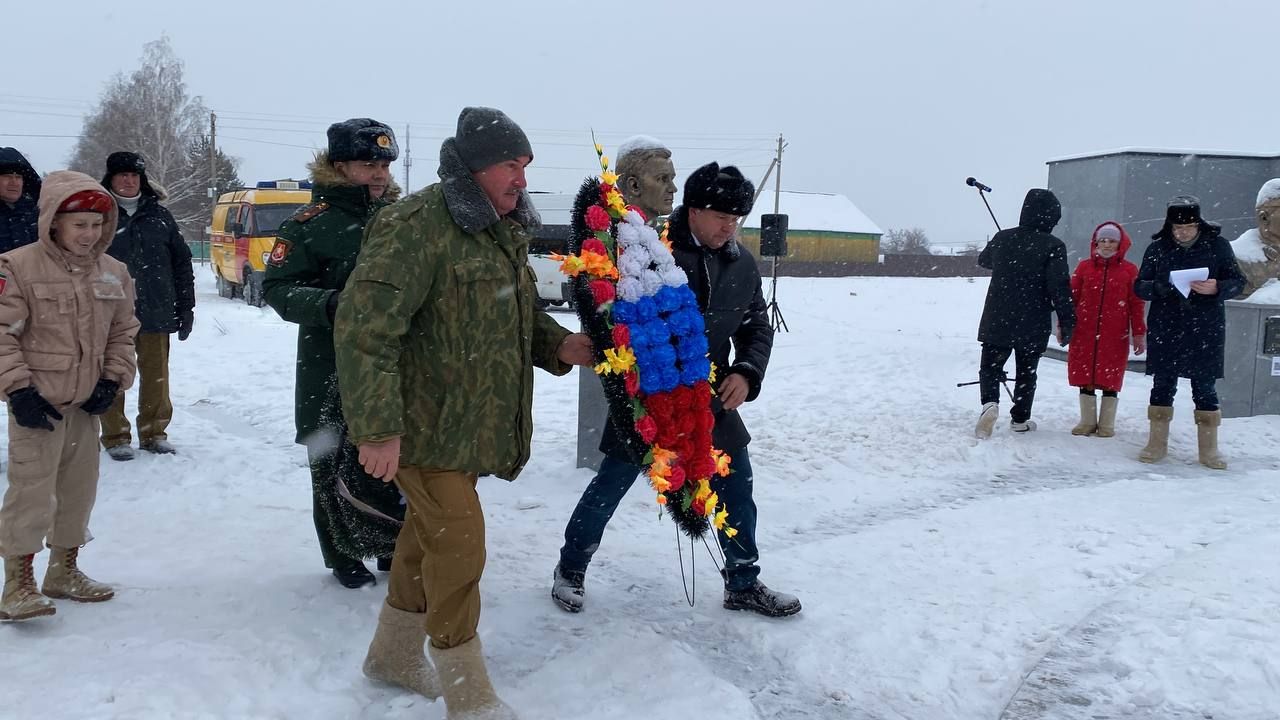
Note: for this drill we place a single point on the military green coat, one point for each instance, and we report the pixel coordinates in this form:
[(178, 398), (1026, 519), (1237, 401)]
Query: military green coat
[(438, 331), (315, 253)]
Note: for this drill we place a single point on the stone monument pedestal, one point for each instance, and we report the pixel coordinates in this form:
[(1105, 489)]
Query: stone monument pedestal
[(1252, 383)]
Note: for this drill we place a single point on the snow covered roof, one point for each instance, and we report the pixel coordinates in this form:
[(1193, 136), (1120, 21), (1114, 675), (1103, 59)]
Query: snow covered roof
[(829, 212), (1160, 151)]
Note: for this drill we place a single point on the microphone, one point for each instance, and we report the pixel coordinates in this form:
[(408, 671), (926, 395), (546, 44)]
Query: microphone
[(972, 182)]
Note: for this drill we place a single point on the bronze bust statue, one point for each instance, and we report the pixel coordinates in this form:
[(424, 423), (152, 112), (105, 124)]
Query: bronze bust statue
[(1258, 251), (646, 176)]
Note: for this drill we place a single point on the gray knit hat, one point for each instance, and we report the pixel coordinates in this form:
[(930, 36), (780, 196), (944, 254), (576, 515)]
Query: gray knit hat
[(486, 136)]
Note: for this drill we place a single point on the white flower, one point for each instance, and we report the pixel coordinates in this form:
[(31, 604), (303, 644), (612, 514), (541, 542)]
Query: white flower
[(652, 282), (630, 289), (673, 276)]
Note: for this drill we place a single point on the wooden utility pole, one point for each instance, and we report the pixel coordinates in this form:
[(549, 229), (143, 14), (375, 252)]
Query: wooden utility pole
[(777, 179)]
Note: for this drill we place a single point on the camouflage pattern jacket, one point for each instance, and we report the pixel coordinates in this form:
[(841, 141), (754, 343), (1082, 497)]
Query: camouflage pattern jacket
[(438, 331), (314, 253)]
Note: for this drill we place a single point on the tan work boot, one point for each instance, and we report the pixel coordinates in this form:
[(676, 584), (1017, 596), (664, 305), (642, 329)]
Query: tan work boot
[(1207, 422), (1158, 442), (1088, 415), (987, 421), (396, 655), (65, 581), (468, 695), (21, 600), (1107, 416)]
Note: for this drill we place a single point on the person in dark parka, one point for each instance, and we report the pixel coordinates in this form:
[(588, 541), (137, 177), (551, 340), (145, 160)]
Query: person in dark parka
[(150, 242), (19, 193), (1186, 335), (1029, 284), (314, 254), (726, 280)]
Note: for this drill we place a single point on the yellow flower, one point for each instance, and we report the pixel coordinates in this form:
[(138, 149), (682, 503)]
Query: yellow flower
[(603, 368), (710, 378), (621, 359), (609, 177), (604, 162), (662, 500), (730, 532), (721, 516), (599, 149)]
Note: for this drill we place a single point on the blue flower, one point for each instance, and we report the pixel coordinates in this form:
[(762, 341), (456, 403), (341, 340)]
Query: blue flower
[(669, 299), (624, 312), (646, 309)]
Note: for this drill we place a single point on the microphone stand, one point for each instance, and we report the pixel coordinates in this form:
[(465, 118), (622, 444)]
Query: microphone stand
[(983, 195)]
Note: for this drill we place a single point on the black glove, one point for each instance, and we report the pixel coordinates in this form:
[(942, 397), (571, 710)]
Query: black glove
[(104, 393), (186, 319), (31, 410), (331, 306)]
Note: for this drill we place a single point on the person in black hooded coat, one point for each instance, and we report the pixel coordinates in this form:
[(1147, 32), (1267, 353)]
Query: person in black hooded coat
[(18, 212), (1186, 336), (726, 280), (1029, 283)]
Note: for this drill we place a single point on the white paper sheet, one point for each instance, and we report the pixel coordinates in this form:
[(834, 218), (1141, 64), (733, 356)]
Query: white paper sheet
[(1182, 279)]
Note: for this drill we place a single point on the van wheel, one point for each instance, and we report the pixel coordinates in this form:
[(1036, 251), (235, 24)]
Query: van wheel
[(225, 289), (253, 289)]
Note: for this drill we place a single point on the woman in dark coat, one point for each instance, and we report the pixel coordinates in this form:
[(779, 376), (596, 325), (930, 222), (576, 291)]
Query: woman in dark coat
[(1187, 334)]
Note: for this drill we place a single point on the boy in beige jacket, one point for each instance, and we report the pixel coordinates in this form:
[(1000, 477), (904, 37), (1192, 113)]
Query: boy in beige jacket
[(67, 329)]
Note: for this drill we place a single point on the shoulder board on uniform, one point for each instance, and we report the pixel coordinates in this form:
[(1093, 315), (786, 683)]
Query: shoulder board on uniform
[(309, 212)]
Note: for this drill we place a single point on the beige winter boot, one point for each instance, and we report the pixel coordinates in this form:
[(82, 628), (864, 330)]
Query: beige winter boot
[(1107, 416), (396, 655), (1088, 415), (1158, 442), (21, 600), (1207, 422), (65, 581), (465, 681)]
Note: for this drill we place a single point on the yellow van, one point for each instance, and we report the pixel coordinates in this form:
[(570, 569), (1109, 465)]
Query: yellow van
[(244, 226)]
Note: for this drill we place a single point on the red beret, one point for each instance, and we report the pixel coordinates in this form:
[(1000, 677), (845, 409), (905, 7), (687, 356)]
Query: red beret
[(88, 201)]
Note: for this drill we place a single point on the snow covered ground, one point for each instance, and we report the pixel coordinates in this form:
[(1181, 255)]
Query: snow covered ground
[(1037, 576)]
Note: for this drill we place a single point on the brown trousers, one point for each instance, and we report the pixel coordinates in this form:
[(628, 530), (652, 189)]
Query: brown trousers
[(440, 553), (154, 409), (53, 483)]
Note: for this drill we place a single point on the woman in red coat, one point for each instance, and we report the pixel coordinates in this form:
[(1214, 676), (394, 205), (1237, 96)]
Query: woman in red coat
[(1109, 317)]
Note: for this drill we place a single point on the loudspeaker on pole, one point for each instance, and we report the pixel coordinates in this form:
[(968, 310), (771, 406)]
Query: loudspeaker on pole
[(773, 235)]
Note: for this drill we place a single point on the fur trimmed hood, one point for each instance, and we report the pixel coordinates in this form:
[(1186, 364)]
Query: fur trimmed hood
[(322, 172), (467, 203)]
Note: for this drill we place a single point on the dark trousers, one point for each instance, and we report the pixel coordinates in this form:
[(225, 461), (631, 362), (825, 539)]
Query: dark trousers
[(991, 372), (1203, 392), (586, 526), (333, 558)]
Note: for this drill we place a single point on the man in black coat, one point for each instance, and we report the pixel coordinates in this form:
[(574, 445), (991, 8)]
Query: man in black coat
[(724, 277), (1029, 283), (19, 191), (149, 241), (1186, 334)]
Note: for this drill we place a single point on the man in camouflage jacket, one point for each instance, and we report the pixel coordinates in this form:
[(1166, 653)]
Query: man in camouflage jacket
[(436, 338), (314, 253)]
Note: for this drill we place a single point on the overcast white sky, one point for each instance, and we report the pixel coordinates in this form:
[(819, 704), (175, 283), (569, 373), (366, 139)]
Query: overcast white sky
[(891, 103)]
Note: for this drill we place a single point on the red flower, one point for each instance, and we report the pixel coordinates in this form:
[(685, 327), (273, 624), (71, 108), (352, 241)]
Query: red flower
[(699, 506), (594, 245), (602, 291), (706, 422), (684, 398), (702, 391), (647, 428), (597, 218), (621, 335), (633, 383), (639, 212), (605, 189), (704, 466), (660, 405), (667, 434), (677, 478)]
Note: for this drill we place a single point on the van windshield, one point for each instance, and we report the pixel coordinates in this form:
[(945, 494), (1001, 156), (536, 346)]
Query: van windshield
[(267, 218)]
